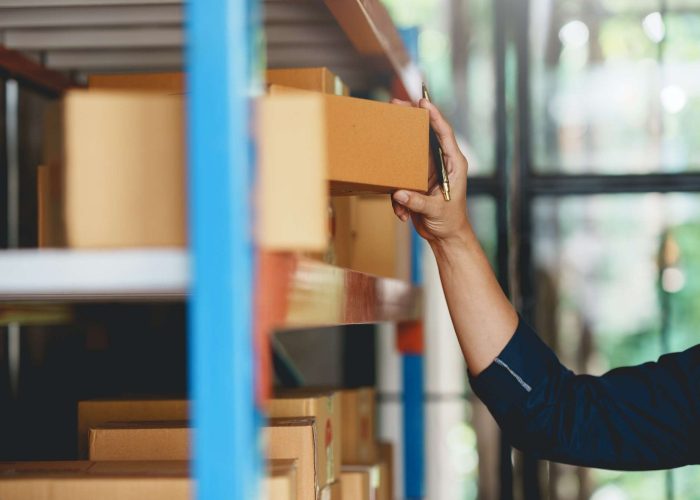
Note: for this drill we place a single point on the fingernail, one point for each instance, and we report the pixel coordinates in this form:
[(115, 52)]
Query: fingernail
[(401, 196), (404, 217)]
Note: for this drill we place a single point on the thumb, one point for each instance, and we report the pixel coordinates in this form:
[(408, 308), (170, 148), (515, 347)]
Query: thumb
[(415, 202)]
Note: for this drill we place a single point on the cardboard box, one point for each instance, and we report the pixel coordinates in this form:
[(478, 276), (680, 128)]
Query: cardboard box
[(125, 169), (308, 139), (324, 406), (386, 463), (97, 412), (280, 481), (89, 481), (317, 79), (355, 485), (357, 426), (369, 238), (150, 441), (296, 438), (169, 83), (368, 485)]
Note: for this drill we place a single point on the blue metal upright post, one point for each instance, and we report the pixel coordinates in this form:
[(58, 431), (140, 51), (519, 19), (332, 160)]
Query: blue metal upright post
[(220, 56), (412, 362)]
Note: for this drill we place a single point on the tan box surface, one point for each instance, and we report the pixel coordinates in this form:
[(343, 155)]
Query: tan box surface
[(171, 83), (280, 481), (373, 475), (318, 79), (94, 413), (296, 438), (355, 485), (149, 441), (125, 169), (358, 407), (90, 481), (370, 146), (324, 406)]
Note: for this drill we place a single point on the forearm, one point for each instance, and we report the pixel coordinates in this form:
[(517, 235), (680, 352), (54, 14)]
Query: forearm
[(483, 318)]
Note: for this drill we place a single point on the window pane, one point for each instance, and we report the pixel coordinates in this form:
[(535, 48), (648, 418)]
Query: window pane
[(456, 56), (610, 270), (614, 90)]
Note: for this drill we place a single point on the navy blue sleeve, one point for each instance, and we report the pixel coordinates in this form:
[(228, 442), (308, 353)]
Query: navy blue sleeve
[(637, 418)]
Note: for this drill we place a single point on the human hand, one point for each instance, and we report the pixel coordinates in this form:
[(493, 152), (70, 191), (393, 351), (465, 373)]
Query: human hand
[(434, 218)]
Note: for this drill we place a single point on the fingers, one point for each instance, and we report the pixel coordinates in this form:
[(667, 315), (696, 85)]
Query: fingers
[(400, 211), (415, 202)]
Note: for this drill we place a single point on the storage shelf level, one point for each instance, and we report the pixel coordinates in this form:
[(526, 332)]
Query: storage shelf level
[(67, 275), (295, 292)]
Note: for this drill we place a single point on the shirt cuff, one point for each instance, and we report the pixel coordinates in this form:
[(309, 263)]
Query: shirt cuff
[(521, 368)]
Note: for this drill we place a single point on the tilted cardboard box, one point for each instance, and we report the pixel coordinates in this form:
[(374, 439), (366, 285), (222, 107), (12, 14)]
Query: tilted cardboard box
[(307, 140)]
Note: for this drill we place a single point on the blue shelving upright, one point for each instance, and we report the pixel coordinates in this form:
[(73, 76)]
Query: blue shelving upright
[(220, 56)]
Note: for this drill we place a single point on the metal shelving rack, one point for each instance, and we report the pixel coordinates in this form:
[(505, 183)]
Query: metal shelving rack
[(49, 44)]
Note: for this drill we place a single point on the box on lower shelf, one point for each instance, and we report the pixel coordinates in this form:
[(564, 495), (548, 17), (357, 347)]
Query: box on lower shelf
[(123, 480)]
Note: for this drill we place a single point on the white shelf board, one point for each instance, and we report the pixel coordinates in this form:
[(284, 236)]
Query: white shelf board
[(130, 274)]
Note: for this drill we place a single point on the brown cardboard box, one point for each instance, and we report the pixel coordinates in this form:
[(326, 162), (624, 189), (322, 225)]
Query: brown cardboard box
[(287, 439), (386, 461), (170, 83), (140, 441), (89, 481), (307, 139), (296, 438), (280, 481), (358, 407), (369, 238), (125, 169), (97, 412), (324, 406), (318, 79), (371, 479), (355, 485), (371, 146)]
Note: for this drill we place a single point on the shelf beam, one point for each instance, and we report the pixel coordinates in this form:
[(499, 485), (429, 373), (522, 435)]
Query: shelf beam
[(92, 275), (296, 292), (13, 64)]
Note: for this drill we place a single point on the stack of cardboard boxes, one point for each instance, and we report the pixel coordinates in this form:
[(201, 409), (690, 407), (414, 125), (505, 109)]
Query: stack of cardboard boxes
[(114, 176), (320, 445)]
